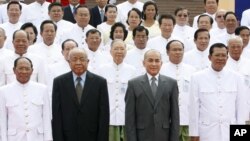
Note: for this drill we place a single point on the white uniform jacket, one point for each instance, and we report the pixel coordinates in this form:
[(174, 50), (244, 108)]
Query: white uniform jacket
[(135, 58), (198, 59), (245, 19), (242, 67), (25, 112), (217, 99), (182, 73), (78, 34), (117, 77), (51, 54)]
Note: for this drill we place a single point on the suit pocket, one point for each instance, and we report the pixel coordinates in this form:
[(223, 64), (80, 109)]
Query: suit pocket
[(12, 132)]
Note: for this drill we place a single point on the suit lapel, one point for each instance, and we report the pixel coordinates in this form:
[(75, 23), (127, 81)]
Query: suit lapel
[(71, 88), (160, 90), (147, 89)]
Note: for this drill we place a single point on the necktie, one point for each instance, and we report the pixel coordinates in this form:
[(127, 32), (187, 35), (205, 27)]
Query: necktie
[(153, 86), (102, 14), (74, 10), (79, 88)]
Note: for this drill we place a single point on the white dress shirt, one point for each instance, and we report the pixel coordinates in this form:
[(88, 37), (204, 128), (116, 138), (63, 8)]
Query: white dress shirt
[(7, 63), (78, 34), (51, 54), (124, 8), (36, 13), (182, 73), (25, 113), (135, 58), (9, 30), (117, 78), (217, 100), (198, 59), (245, 19)]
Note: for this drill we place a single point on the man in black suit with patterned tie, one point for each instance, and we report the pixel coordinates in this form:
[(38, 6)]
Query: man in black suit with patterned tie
[(80, 105)]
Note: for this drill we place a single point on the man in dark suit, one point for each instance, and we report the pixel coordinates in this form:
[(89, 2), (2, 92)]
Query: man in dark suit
[(98, 13), (80, 105), (69, 10), (152, 112)]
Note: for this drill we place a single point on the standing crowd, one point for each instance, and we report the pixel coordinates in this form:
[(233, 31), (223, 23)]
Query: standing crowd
[(121, 72)]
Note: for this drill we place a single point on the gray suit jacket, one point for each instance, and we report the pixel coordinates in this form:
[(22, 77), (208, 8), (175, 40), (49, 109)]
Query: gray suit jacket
[(149, 118)]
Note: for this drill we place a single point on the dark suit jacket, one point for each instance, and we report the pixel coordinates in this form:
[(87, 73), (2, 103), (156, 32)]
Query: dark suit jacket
[(149, 118), (68, 15), (95, 18), (79, 122)]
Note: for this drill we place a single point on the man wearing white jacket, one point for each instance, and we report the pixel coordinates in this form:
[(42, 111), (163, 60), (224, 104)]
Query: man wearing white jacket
[(24, 107), (180, 71), (217, 99)]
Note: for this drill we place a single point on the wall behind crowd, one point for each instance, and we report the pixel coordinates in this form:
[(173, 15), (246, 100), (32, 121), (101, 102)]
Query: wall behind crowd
[(195, 6), (165, 6)]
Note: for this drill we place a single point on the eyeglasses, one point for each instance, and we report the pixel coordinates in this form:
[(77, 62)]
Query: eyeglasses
[(182, 15)]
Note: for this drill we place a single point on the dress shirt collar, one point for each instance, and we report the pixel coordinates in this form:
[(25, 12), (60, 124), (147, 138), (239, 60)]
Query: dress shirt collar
[(18, 24), (39, 4), (229, 35), (99, 8), (83, 76), (80, 28), (150, 77), (17, 55), (72, 7), (93, 52), (202, 53), (49, 47), (142, 51), (118, 67), (175, 65), (180, 28), (131, 4), (22, 85), (230, 59), (211, 15), (217, 73), (166, 40)]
